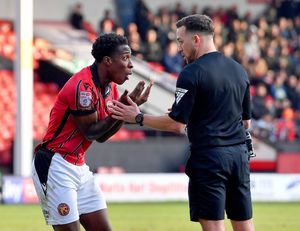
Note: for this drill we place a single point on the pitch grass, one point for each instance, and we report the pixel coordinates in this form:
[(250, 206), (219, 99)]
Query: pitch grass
[(154, 217)]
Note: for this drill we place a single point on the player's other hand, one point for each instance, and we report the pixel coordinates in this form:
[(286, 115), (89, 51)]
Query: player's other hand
[(124, 112), (137, 94), (143, 97), (123, 98)]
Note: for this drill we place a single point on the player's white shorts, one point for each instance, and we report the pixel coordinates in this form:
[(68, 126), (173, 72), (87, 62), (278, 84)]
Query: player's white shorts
[(69, 190)]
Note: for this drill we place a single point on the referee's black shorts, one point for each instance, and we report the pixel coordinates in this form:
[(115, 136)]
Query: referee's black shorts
[(219, 181)]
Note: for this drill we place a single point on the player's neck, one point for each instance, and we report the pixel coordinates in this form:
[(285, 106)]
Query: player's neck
[(102, 76)]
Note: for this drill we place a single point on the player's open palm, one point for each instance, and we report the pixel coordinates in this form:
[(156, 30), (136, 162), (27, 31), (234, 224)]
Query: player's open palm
[(137, 95), (144, 97)]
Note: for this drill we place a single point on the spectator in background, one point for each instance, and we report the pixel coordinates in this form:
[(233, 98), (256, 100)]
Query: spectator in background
[(296, 60), (76, 17), (272, 59), (251, 47), (278, 89), (131, 28), (106, 27), (162, 26), (179, 11), (107, 24), (264, 126), (259, 109), (135, 42), (194, 9), (119, 30), (153, 50), (142, 18), (172, 60), (292, 93), (286, 126), (107, 17), (136, 45)]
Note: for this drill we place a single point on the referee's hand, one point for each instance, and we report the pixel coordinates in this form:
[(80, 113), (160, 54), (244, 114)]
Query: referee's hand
[(124, 112)]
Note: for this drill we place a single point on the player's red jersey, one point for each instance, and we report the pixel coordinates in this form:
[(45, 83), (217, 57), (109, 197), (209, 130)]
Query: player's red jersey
[(81, 95)]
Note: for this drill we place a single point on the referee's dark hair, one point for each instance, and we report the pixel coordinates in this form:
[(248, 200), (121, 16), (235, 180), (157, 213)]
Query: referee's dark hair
[(197, 23), (106, 45)]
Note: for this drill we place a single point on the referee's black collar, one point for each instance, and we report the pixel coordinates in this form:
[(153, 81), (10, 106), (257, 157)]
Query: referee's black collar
[(94, 72)]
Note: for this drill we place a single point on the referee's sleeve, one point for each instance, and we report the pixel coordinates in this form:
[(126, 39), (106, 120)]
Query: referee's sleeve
[(184, 97), (247, 104)]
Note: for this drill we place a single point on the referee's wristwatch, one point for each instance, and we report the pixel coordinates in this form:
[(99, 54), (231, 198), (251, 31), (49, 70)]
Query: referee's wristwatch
[(139, 119)]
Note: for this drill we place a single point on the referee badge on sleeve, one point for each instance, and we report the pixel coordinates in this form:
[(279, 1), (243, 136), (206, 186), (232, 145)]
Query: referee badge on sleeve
[(180, 92), (85, 99)]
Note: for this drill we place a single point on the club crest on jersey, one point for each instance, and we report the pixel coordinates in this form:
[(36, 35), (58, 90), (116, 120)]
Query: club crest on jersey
[(180, 92), (63, 209), (85, 99), (109, 103)]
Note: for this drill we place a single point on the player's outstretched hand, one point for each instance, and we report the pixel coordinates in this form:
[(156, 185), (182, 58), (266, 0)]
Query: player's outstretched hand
[(123, 98), (137, 94), (124, 112), (144, 97)]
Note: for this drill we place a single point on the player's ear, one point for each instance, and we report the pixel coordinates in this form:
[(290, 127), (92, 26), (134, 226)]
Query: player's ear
[(107, 60)]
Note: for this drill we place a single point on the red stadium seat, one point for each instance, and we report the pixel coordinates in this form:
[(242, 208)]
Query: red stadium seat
[(137, 135)]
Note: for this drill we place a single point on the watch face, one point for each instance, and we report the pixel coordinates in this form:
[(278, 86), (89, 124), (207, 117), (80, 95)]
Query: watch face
[(139, 118)]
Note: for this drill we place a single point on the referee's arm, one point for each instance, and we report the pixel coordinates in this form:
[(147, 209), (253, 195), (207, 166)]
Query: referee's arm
[(247, 124), (164, 123), (129, 112)]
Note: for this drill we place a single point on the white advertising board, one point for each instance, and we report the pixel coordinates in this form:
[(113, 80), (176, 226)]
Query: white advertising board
[(275, 187), (143, 187), (159, 187)]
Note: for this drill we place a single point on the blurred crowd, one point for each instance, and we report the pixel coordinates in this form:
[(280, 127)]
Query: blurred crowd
[(268, 46)]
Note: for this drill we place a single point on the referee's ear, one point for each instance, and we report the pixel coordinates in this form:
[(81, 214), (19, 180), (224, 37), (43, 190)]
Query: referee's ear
[(196, 39)]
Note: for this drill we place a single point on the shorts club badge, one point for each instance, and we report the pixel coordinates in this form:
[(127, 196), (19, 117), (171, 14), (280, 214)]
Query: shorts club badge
[(63, 209)]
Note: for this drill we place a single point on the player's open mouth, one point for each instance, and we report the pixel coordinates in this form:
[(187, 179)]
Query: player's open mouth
[(127, 76)]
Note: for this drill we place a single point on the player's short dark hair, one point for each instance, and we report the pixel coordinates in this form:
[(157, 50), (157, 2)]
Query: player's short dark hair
[(197, 23), (106, 45)]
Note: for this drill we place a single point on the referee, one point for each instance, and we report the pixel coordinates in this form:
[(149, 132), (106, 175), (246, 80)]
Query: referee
[(212, 99)]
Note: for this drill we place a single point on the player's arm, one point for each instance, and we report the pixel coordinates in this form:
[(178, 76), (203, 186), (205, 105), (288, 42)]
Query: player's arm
[(104, 129), (111, 132), (93, 129)]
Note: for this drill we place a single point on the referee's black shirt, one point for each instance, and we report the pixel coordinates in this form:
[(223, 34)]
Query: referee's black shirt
[(212, 98)]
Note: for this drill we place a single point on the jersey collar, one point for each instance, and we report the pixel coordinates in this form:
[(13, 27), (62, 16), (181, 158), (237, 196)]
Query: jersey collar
[(105, 90)]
